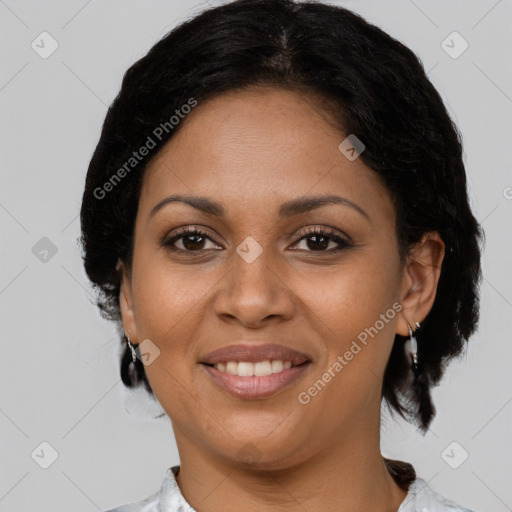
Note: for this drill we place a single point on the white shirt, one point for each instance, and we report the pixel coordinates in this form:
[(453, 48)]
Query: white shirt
[(420, 498)]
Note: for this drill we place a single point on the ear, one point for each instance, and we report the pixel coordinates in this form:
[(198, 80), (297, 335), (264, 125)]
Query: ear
[(420, 277), (126, 302)]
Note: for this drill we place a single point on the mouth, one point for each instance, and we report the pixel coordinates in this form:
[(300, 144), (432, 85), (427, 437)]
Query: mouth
[(255, 371), (251, 387)]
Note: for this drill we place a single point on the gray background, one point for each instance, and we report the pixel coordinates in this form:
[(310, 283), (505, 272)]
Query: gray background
[(59, 359)]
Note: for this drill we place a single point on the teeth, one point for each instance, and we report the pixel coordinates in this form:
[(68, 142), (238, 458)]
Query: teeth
[(247, 369), (277, 366), (232, 368), (262, 368)]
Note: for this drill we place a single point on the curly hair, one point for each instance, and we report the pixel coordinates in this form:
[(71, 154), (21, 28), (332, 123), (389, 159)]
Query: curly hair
[(382, 95)]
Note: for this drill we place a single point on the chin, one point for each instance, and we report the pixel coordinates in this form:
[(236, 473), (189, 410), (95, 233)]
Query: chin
[(263, 453)]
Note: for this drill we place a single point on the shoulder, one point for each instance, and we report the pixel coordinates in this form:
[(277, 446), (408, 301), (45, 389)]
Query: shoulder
[(168, 498), (422, 498), (150, 504)]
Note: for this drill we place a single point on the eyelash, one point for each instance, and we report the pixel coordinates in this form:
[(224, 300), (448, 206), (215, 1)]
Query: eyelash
[(329, 233)]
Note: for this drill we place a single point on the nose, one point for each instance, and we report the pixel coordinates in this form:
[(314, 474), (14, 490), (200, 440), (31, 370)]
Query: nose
[(254, 291)]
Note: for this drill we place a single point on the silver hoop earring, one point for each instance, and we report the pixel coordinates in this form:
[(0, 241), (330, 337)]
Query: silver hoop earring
[(132, 349), (411, 349)]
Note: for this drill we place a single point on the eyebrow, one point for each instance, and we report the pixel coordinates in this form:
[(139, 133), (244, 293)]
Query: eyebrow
[(290, 208)]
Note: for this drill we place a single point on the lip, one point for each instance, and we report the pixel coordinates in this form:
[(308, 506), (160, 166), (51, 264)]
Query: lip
[(254, 354), (256, 387)]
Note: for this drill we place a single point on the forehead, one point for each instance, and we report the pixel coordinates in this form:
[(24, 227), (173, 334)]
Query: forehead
[(259, 146)]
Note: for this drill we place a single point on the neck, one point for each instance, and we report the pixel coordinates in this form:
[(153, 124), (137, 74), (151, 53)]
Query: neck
[(349, 475)]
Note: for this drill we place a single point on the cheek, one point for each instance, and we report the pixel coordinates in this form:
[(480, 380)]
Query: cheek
[(167, 298), (356, 304), (355, 294), (169, 305)]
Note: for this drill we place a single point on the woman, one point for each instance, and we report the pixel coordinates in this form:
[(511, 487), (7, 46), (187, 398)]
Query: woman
[(265, 217)]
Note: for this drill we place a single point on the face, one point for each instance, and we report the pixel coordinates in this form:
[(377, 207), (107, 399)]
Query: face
[(270, 265)]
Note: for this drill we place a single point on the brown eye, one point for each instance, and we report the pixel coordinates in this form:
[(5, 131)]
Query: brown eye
[(318, 240), (191, 240)]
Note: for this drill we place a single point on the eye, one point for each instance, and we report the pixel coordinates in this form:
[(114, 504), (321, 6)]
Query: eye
[(318, 240), (191, 240)]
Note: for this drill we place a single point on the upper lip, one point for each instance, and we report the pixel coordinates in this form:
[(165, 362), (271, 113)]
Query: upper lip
[(255, 353)]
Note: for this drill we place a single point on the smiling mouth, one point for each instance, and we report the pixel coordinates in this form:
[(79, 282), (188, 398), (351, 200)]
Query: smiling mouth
[(254, 369), (252, 380)]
